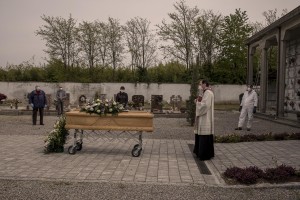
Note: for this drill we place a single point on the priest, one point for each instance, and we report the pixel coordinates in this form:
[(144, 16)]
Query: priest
[(204, 132)]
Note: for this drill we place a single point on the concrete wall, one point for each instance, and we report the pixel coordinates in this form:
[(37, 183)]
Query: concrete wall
[(228, 93), (223, 93)]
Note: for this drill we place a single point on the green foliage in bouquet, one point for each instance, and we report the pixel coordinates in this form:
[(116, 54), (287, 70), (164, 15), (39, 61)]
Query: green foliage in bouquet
[(57, 137), (105, 107)]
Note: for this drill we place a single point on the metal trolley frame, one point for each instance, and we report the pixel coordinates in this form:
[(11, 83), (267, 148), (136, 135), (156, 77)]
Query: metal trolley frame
[(129, 124), (79, 134)]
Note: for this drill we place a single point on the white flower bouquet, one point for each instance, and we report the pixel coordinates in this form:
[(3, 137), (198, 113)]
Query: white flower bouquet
[(56, 139), (103, 107)]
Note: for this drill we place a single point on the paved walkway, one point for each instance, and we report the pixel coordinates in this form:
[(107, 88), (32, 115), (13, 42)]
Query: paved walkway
[(162, 161), (165, 160)]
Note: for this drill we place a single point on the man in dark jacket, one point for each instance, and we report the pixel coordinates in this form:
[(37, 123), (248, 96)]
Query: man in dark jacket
[(122, 97), (38, 102)]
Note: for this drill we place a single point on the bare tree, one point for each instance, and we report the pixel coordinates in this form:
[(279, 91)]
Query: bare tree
[(141, 42), (256, 27), (208, 25), (271, 15), (131, 37), (115, 45), (59, 34), (87, 35), (179, 32), (103, 42)]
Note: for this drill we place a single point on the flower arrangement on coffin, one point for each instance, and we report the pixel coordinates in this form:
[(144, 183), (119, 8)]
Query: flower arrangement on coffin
[(103, 107), (57, 137)]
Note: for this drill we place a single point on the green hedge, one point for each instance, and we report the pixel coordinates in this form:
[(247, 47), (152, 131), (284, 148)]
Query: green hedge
[(234, 138)]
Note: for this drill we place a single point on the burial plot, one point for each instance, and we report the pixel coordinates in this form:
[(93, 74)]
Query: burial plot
[(138, 102), (176, 102), (156, 103)]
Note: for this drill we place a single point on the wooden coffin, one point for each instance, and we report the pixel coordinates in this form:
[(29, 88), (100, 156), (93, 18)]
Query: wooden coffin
[(127, 121)]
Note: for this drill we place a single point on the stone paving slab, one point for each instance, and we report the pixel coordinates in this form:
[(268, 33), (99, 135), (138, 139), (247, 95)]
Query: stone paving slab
[(161, 161), (264, 155), (166, 157), (165, 161)]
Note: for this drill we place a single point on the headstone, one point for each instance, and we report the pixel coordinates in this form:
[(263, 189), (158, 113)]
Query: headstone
[(67, 100), (102, 97), (176, 102), (156, 103), (49, 101), (82, 100), (138, 102)]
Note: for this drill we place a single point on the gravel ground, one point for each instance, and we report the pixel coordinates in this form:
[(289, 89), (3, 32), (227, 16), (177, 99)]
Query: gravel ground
[(165, 128), (11, 189)]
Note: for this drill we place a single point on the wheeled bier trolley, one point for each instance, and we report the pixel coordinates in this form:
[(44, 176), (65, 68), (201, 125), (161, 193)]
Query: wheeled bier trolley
[(133, 123)]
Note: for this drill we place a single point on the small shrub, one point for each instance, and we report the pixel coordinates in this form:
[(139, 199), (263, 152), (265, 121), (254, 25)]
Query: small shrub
[(219, 139), (234, 138), (280, 136), (269, 136), (294, 136), (290, 170), (246, 177), (256, 170), (261, 137), (232, 172), (279, 174), (252, 174), (272, 174), (248, 138)]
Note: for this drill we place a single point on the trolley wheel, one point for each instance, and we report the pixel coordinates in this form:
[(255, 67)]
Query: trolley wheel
[(72, 150), (78, 146), (136, 152)]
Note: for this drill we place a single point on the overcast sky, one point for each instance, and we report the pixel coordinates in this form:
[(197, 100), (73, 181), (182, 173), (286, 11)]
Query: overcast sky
[(19, 19)]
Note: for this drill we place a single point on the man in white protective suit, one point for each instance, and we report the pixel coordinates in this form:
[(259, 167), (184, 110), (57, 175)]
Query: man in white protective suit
[(247, 108)]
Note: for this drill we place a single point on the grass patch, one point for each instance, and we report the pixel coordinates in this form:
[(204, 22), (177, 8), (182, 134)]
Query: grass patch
[(227, 106)]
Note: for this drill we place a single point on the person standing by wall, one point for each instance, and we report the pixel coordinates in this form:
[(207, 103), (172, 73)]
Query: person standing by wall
[(205, 126), (247, 108), (122, 97), (38, 102), (60, 97)]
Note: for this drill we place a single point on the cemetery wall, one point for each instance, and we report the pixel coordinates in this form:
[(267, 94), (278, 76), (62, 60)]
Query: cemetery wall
[(223, 93)]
